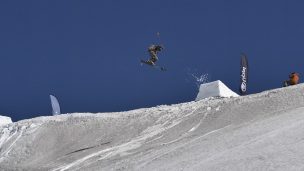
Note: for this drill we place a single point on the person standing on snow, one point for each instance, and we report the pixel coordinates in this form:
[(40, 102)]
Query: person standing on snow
[(153, 50), (293, 79)]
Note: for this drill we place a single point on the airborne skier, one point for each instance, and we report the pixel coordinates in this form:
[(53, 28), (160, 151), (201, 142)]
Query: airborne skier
[(153, 50)]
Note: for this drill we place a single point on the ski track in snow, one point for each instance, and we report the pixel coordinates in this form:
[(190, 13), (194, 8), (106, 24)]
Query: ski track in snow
[(77, 162), (106, 152), (180, 146), (154, 139), (133, 144), (196, 126), (3, 155), (186, 134), (5, 136), (200, 122), (260, 138)]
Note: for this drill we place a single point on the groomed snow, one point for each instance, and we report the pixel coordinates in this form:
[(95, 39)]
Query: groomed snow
[(255, 132), (214, 89), (4, 120)]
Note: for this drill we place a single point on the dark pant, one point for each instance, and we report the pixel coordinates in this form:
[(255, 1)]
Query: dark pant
[(153, 56)]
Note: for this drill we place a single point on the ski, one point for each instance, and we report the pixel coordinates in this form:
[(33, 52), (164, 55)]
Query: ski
[(161, 68)]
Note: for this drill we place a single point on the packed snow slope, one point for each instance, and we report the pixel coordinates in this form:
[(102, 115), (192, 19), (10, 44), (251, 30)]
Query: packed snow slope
[(263, 131)]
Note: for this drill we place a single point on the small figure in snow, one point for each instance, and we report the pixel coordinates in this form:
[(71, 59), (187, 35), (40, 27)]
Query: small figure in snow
[(153, 50), (293, 79)]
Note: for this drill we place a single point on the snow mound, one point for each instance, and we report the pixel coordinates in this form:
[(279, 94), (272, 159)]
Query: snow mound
[(214, 89), (4, 120)]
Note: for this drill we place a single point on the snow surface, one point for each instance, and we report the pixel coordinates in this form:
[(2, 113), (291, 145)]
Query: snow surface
[(214, 89), (4, 120), (256, 132)]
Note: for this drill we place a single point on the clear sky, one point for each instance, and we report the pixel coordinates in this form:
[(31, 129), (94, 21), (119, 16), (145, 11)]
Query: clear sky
[(87, 53)]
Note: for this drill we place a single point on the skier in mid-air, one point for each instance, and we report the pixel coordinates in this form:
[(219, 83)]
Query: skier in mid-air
[(153, 50)]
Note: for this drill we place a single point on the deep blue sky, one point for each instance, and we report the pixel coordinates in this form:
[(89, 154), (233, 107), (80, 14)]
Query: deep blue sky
[(86, 52)]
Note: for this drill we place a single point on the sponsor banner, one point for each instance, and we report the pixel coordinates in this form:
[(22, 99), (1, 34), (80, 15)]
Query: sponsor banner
[(244, 74)]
